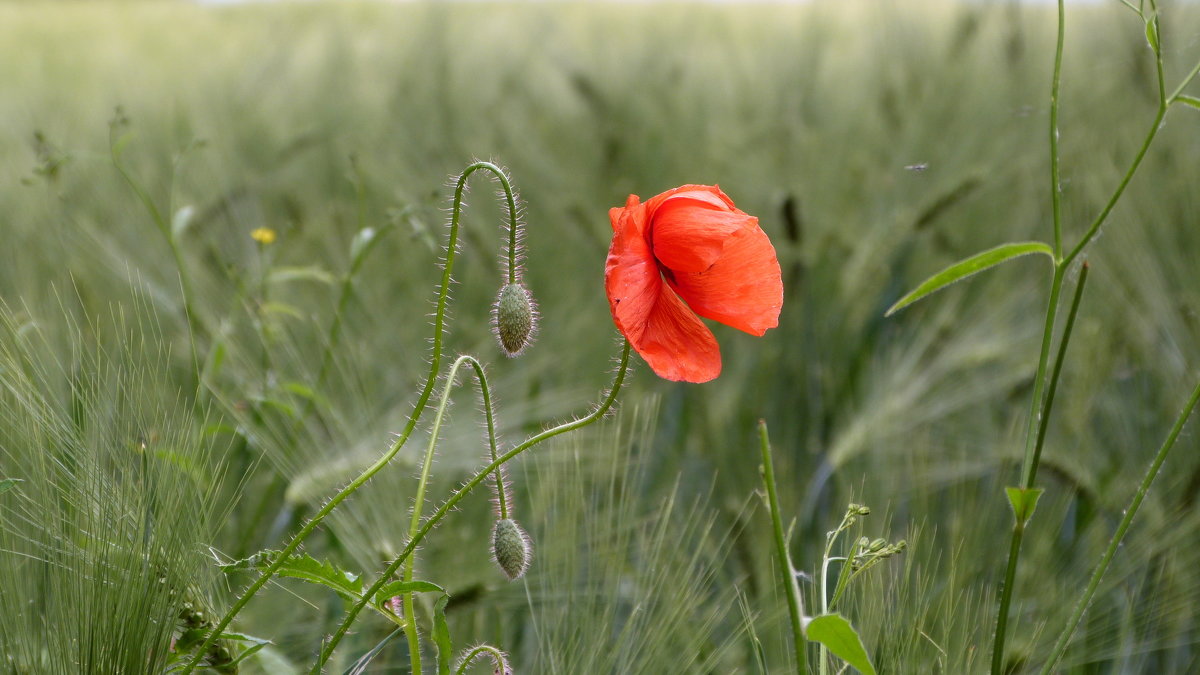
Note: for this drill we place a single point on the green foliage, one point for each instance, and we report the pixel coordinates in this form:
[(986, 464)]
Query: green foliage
[(836, 633), (1023, 501), (102, 543), (965, 268)]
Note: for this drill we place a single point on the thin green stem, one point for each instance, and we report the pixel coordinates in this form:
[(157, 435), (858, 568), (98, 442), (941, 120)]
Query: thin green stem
[(791, 588), (435, 362), (1163, 102), (1183, 85), (1085, 600), (1028, 468), (414, 644), (1010, 575), (449, 504), (1048, 404), (1055, 184), (513, 227)]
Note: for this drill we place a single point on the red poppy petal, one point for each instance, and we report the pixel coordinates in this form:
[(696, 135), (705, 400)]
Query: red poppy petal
[(631, 277), (668, 335), (710, 193), (742, 289), (690, 230), (632, 210), (675, 343)]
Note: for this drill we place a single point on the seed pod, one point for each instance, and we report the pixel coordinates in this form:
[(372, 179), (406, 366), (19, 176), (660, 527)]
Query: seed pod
[(515, 319), (511, 548)]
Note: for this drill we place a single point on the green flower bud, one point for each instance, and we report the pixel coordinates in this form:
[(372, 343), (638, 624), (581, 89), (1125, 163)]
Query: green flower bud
[(511, 548), (515, 319)]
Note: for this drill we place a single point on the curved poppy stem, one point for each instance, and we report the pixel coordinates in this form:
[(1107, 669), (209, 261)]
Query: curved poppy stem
[(435, 363), (497, 656), (479, 477), (410, 627)]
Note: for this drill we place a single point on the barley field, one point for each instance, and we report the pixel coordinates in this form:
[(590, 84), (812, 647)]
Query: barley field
[(222, 230)]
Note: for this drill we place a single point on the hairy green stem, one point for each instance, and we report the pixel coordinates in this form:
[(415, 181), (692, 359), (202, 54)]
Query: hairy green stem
[(791, 588), (498, 659), (410, 627), (479, 477), (435, 362), (1085, 600)]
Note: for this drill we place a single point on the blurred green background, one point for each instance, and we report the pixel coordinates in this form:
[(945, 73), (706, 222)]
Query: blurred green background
[(876, 141)]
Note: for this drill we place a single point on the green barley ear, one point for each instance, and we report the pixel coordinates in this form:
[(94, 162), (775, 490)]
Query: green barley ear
[(511, 548), (514, 318)]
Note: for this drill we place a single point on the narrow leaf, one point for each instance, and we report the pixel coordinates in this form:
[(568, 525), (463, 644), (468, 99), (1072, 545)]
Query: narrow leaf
[(300, 389), (256, 643), (836, 633), (7, 484), (260, 561), (310, 273), (1152, 33), (360, 666), (965, 268), (282, 309), (441, 635), (395, 588)]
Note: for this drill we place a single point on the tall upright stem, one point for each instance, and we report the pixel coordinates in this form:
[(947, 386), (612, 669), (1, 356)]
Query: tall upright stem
[(791, 588)]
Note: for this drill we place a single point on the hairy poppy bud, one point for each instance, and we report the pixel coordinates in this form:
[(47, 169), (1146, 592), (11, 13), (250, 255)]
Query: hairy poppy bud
[(515, 318), (511, 548)]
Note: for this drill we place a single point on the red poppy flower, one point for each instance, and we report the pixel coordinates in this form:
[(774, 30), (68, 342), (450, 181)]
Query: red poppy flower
[(689, 245)]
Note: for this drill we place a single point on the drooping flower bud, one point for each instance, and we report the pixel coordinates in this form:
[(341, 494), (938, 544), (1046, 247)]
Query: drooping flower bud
[(511, 548), (515, 319)]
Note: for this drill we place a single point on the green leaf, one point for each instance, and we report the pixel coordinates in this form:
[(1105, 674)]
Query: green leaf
[(7, 484), (1152, 33), (281, 308), (256, 644), (973, 265), (1023, 501), (839, 637), (441, 635), (1189, 100), (395, 588), (280, 275), (299, 389), (307, 568), (346, 584)]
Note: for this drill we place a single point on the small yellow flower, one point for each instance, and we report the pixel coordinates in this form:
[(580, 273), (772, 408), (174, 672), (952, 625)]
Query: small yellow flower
[(263, 235)]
